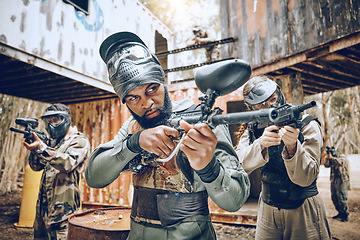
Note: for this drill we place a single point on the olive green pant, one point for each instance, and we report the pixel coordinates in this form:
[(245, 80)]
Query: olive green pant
[(339, 195), (192, 228)]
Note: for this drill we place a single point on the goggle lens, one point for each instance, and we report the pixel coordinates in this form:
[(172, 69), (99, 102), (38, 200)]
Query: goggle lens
[(53, 120)]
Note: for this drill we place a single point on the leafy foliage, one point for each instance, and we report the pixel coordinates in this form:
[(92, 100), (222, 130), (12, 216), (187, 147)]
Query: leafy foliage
[(340, 107)]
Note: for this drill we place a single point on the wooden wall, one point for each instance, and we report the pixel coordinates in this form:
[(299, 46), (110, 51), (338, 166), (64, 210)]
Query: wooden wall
[(13, 155), (100, 121)]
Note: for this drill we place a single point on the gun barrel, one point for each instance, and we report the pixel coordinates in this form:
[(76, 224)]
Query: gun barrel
[(263, 115), (18, 130), (190, 119), (305, 106), (244, 117)]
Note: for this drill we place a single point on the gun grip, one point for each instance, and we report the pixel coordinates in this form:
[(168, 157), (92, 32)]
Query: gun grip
[(29, 138)]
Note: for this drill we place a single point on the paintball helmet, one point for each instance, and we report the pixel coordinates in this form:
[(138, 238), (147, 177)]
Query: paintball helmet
[(259, 89), (130, 63), (197, 31), (61, 114), (331, 150)]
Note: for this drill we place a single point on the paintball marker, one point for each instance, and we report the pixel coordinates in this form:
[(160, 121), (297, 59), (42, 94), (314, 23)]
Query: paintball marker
[(30, 124), (216, 80), (286, 114)]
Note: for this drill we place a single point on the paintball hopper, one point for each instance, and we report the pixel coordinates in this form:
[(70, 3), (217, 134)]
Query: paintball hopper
[(223, 77), (33, 122)]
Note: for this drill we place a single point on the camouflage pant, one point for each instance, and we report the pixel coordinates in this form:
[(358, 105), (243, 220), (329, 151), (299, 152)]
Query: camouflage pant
[(57, 231), (339, 195), (213, 54)]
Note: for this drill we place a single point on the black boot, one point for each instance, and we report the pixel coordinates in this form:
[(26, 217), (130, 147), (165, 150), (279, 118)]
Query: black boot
[(344, 217), (337, 216)]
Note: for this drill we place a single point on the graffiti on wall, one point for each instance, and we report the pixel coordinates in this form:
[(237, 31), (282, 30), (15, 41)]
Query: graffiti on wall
[(96, 22)]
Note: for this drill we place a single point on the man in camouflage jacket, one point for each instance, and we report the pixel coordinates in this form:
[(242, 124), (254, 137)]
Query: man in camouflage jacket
[(62, 159), (339, 178)]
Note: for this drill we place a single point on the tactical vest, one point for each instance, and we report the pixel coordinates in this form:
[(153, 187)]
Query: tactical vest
[(277, 188)]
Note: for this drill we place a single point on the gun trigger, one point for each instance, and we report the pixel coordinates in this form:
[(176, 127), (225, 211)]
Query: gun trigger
[(173, 153), (181, 131), (29, 139)]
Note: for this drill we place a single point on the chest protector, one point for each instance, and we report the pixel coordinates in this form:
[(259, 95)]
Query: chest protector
[(175, 175), (277, 188)]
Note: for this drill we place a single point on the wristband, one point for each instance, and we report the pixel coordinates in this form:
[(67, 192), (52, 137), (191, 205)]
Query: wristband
[(133, 143), (210, 172)]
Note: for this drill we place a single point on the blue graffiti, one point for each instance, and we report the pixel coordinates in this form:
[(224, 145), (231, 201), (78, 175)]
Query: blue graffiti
[(99, 18)]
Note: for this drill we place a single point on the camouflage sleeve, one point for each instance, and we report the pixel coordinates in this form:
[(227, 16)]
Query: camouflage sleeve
[(327, 162), (69, 157), (36, 163), (335, 161)]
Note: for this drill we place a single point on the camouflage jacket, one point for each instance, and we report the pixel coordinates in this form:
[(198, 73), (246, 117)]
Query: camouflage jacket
[(339, 167), (63, 163)]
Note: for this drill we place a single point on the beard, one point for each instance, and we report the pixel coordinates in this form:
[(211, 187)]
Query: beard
[(165, 113)]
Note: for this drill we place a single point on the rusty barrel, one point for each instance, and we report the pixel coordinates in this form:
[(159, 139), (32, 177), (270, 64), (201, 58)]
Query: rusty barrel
[(102, 223)]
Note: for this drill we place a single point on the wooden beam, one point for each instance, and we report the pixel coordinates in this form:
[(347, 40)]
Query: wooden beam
[(330, 47)]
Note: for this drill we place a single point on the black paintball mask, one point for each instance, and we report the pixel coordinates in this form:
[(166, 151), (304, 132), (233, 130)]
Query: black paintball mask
[(130, 63), (57, 120), (262, 92)]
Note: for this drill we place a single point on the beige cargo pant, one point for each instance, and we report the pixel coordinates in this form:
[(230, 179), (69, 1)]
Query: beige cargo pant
[(306, 222)]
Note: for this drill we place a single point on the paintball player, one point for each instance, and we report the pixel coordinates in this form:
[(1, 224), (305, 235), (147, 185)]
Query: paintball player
[(339, 178), (62, 159), (170, 198), (201, 36), (290, 206)]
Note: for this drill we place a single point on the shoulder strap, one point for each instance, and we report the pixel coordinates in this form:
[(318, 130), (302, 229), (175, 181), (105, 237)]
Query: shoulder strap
[(305, 122)]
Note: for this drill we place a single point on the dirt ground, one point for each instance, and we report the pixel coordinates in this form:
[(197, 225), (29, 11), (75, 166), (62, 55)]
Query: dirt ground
[(10, 208)]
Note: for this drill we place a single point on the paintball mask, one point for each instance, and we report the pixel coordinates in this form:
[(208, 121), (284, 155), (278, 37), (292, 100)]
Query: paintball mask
[(262, 91), (57, 122), (130, 63)]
